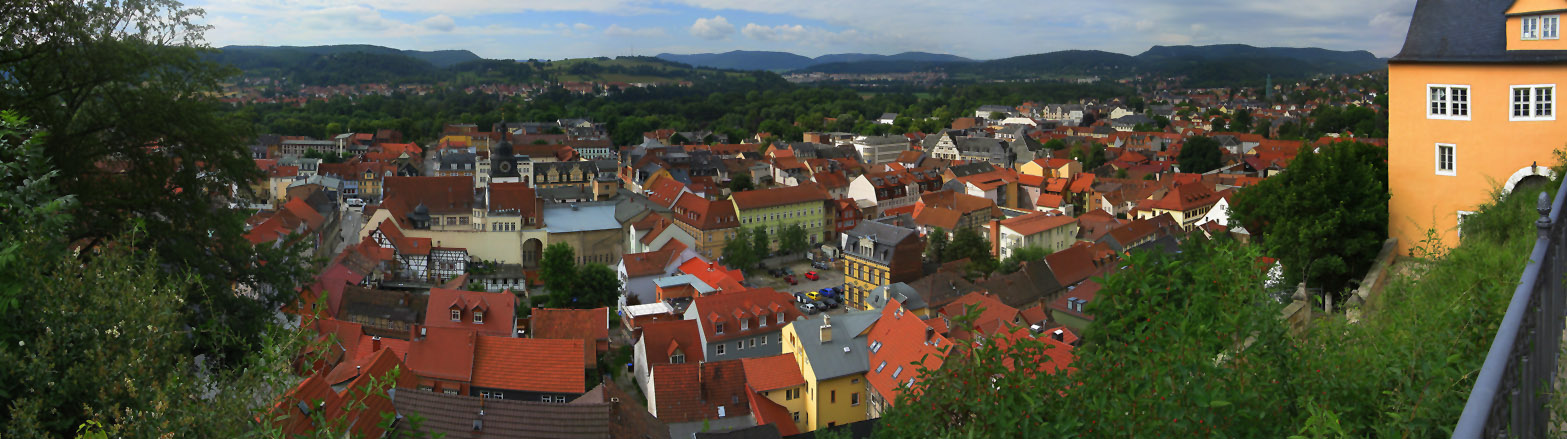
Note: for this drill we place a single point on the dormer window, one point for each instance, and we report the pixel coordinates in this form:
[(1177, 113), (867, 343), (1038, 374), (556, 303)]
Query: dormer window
[(478, 317), (456, 315), (718, 327), (1540, 28), (745, 324), (677, 359)]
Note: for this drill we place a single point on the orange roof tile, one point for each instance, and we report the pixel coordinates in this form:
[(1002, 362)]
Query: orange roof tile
[(772, 373), (897, 341), (529, 364), (720, 308), (443, 353), (670, 337), (589, 325), (779, 196), (1036, 222), (499, 311)]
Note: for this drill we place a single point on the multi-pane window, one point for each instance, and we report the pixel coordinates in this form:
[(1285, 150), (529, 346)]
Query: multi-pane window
[(1540, 28), (456, 315), (1448, 102), (1534, 102), (1446, 159), (478, 317)]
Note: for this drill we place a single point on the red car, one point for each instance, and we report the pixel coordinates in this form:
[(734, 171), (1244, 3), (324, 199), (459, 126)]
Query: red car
[(812, 276), (790, 279)]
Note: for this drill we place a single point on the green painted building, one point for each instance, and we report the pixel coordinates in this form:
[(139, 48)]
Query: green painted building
[(777, 208)]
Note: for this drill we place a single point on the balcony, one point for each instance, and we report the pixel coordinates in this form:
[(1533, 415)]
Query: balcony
[(1513, 389)]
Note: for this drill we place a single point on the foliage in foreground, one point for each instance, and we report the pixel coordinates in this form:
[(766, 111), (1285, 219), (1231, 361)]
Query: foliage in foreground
[(1193, 347)]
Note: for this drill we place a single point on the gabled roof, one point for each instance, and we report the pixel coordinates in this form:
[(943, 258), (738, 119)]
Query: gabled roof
[(443, 353), (724, 308), (779, 196), (499, 310), (993, 315), (1076, 264), (1036, 222), (454, 416), (702, 214), (1084, 293), (693, 392), (846, 352), (515, 197), (653, 263), (772, 373), (1484, 26), (769, 415), (442, 195), (1186, 197), (1026, 286), (665, 338), (529, 364), (897, 341), (588, 325)]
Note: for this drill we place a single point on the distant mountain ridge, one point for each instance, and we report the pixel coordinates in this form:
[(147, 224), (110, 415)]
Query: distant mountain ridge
[(765, 60), (437, 58)]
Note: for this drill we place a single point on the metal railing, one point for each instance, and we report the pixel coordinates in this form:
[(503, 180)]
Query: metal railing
[(1513, 388)]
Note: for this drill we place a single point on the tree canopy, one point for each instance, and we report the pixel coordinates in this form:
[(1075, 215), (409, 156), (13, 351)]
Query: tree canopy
[(1324, 218), (1200, 154)]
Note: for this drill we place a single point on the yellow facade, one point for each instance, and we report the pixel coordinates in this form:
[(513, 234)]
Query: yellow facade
[(828, 402), (860, 276), (1536, 9), (1490, 150), (794, 404)]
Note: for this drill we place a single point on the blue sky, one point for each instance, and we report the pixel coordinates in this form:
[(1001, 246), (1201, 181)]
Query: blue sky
[(556, 29)]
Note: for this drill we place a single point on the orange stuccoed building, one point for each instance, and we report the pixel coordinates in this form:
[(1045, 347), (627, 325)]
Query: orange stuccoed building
[(1473, 110)]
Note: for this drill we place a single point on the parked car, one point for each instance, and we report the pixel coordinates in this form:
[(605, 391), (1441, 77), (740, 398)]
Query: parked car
[(800, 297), (790, 280), (787, 271), (828, 292), (822, 265), (808, 308), (830, 303), (837, 291), (356, 203), (812, 295), (777, 273), (812, 275)]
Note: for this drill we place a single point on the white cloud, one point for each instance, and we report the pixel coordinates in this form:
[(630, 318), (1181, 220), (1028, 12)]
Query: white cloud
[(582, 27), (616, 30), (441, 23), (715, 28)]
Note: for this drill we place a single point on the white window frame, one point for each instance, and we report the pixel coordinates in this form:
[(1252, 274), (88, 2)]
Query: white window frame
[(1531, 105), (1453, 171), (1524, 26), (456, 315), (1554, 30), (478, 317), (1459, 229), (1448, 102), (720, 349)]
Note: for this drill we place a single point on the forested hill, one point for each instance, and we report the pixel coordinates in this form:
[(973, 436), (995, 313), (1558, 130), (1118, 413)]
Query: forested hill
[(362, 64), (1217, 64)]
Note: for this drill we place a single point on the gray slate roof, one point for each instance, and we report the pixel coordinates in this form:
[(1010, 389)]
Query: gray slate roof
[(901, 292), (830, 359), (581, 217), (885, 237), (1467, 31)]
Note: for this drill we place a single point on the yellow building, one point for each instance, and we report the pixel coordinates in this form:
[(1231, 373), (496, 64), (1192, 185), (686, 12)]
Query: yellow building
[(778, 379), (876, 254), (1472, 102), (1187, 203), (832, 355), (776, 209)]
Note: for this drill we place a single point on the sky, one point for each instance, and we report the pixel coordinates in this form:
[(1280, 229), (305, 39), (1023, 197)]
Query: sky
[(558, 29)]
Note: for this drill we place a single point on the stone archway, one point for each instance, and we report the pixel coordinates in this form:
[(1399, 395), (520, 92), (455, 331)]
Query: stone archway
[(1528, 175), (532, 250)]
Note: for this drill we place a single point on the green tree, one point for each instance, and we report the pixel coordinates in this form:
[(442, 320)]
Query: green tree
[(678, 139), (1325, 217), (968, 243), (558, 268), (936, 249), (741, 183), (1019, 256), (1055, 144), (738, 253), (997, 115), (1162, 122), (596, 285), (1200, 154), (1241, 121), (792, 239), (123, 85), (761, 244)]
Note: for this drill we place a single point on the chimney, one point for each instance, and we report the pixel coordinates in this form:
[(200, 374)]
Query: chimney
[(1059, 335), (930, 334), (375, 343), (995, 237), (826, 329)]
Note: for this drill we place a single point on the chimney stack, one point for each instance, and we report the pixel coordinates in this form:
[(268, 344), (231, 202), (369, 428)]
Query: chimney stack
[(375, 343), (1059, 335), (995, 237), (930, 334), (826, 329)]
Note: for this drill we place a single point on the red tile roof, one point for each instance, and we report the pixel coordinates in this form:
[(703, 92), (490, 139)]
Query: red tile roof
[(499, 311), (665, 338), (715, 275), (665, 191), (901, 337), (1084, 292), (315, 394), (515, 196), (529, 364), (1036, 222), (749, 304), (589, 325), (993, 316), (1186, 197), (768, 412), (692, 392), (772, 373), (442, 195), (707, 215), (1077, 263), (443, 353), (299, 209), (653, 262), (780, 196)]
